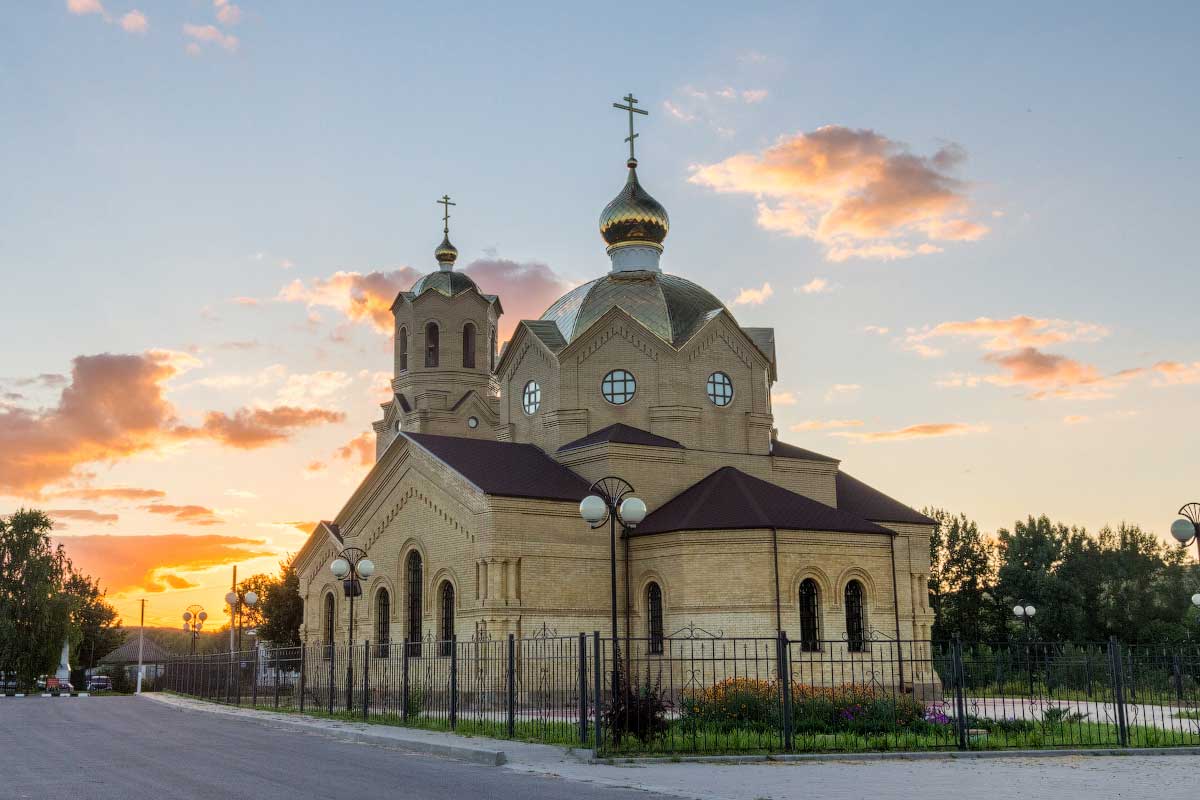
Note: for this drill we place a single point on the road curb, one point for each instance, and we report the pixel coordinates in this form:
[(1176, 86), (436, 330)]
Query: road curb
[(355, 732), (949, 755)]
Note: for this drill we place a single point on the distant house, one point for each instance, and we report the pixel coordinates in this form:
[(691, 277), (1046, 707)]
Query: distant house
[(154, 658)]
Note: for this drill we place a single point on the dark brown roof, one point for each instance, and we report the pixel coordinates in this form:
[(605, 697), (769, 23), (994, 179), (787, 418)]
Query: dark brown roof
[(785, 450), (622, 434), (856, 497), (729, 498), (504, 469), (152, 652)]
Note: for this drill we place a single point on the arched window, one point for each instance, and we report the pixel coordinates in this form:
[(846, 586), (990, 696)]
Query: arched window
[(810, 624), (431, 344), (383, 630), (855, 623), (446, 635), (469, 346), (327, 650), (492, 349), (654, 613), (413, 574), (403, 346)]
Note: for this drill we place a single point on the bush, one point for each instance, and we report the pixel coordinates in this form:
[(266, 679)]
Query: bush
[(744, 703), (638, 710)]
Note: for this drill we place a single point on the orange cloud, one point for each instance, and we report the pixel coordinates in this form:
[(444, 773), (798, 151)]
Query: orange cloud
[(927, 430), (82, 514), (113, 493), (526, 288), (135, 22), (1030, 366), (825, 424), (361, 449), (1018, 331), (115, 407), (151, 563), (1172, 373), (85, 7), (191, 514), (855, 191), (752, 296)]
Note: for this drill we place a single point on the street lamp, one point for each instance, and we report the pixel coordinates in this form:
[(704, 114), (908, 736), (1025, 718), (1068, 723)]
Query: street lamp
[(1024, 612), (193, 621), (238, 601), (612, 499), (349, 567), (1186, 529)]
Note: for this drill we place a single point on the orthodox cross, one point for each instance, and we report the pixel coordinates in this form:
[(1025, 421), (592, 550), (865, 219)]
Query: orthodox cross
[(631, 101), (445, 202)]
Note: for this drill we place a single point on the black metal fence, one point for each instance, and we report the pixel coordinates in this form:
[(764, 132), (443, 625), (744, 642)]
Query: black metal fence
[(693, 692)]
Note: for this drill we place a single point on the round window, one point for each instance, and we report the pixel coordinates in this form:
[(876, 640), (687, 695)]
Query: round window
[(720, 389), (618, 387), (531, 398), (472, 422)]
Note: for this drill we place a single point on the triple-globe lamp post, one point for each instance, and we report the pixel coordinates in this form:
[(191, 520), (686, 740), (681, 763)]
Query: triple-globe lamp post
[(193, 622), (351, 567), (1186, 530), (612, 499)]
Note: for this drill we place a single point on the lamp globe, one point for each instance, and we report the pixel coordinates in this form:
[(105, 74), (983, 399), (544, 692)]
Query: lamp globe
[(251, 598), (340, 568), (1030, 611), (366, 568), (231, 598), (633, 511), (1183, 530), (1019, 610), (592, 509)]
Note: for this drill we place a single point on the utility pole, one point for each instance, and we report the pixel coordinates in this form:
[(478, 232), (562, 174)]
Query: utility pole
[(232, 588), (141, 642)]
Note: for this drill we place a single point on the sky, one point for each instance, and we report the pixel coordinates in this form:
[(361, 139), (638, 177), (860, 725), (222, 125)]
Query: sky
[(971, 228)]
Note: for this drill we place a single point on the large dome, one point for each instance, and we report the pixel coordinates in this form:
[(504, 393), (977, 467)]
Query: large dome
[(672, 307)]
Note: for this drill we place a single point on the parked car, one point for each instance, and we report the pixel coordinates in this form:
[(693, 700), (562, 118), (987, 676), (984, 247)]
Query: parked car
[(99, 683)]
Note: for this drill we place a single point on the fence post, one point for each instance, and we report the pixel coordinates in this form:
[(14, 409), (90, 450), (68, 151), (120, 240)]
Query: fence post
[(366, 678), (254, 685), (583, 701), (784, 651), (597, 670), (960, 699), (276, 677), (332, 664), (1176, 668), (303, 651), (512, 686), (404, 681), (1116, 665), (453, 682)]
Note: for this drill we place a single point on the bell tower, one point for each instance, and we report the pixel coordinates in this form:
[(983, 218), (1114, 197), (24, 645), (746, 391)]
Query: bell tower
[(445, 354)]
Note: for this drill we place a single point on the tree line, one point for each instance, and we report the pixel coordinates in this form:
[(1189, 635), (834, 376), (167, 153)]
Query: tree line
[(1123, 582)]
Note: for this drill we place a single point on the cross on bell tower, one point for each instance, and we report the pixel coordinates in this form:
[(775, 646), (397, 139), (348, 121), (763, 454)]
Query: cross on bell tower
[(445, 203), (630, 102), (446, 253)]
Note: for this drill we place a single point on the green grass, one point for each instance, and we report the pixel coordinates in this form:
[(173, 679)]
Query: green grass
[(1187, 715)]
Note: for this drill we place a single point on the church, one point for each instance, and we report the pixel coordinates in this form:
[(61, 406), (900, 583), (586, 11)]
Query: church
[(471, 512)]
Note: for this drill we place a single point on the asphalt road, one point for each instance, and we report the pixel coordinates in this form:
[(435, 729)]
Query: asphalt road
[(125, 748)]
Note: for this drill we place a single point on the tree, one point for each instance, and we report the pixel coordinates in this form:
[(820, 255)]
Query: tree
[(961, 578), (35, 612), (282, 609), (98, 623)]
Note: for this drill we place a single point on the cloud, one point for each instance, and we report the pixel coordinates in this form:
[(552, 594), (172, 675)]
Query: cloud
[(857, 192), (924, 350), (825, 424), (82, 514), (365, 298), (1174, 373), (360, 449), (841, 389), (782, 398), (1076, 419), (208, 34), (112, 493), (753, 297), (151, 563), (315, 466), (678, 113), (877, 329), (816, 286), (115, 407), (245, 301), (227, 12), (307, 389), (244, 493), (1031, 367), (927, 430), (1014, 332), (250, 428), (135, 22), (710, 106), (526, 288), (191, 514), (754, 95), (85, 7)]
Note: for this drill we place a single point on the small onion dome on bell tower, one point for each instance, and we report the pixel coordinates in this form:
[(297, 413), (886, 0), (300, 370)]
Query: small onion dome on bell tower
[(446, 253), (634, 224)]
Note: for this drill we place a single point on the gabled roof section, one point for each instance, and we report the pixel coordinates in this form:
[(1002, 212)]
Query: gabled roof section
[(858, 498), (784, 450), (546, 330), (764, 340), (622, 434), (504, 469), (731, 499)]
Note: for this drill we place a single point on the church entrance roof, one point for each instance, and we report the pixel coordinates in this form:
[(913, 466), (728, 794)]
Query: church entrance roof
[(731, 499), (622, 434), (866, 501), (504, 469)]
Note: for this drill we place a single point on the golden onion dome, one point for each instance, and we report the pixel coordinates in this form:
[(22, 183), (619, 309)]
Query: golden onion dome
[(446, 253), (634, 217)]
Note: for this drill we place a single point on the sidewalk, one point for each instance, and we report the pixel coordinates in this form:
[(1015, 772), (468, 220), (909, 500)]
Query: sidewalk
[(1064, 777)]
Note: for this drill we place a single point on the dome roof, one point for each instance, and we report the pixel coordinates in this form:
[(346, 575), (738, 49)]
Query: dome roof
[(634, 217), (672, 307), (447, 281)]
